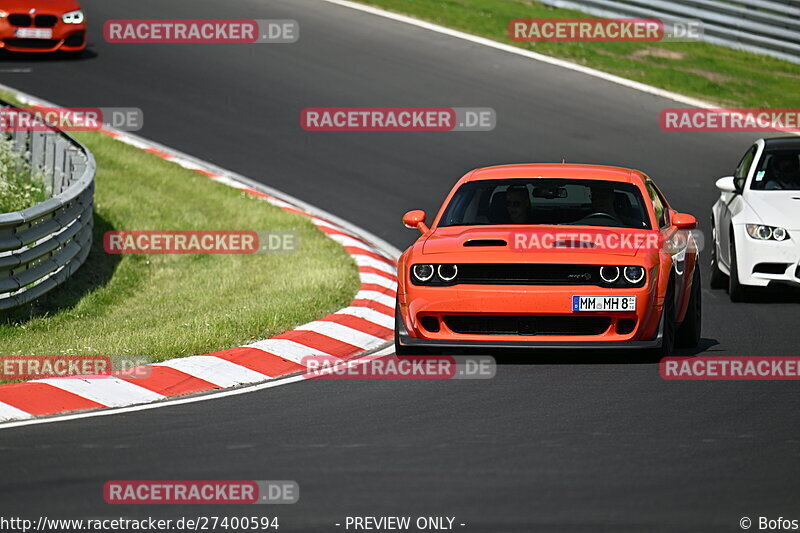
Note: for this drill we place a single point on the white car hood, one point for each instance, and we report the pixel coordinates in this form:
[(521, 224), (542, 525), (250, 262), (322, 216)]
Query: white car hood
[(776, 208)]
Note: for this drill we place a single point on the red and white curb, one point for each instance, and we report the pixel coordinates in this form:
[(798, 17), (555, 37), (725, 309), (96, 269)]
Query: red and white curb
[(365, 326)]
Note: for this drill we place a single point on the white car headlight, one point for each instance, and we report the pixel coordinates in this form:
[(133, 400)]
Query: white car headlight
[(422, 272), (73, 17), (766, 233)]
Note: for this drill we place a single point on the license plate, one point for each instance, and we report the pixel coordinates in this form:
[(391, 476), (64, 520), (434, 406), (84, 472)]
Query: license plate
[(604, 303), (33, 33)]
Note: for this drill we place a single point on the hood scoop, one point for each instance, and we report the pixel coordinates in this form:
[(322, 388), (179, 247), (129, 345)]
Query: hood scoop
[(574, 243), (485, 242)]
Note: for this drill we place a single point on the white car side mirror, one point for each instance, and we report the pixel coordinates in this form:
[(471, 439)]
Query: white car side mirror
[(726, 184)]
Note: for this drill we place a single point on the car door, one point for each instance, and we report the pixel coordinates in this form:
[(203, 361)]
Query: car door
[(730, 205)]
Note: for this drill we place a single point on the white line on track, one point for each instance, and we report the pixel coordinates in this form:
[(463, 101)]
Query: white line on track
[(525, 53)]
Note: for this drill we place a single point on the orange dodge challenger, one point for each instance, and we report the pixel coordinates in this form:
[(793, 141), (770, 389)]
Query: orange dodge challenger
[(42, 26), (551, 256)]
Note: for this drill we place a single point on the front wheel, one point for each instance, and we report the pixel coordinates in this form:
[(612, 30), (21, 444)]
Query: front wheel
[(688, 335), (668, 333)]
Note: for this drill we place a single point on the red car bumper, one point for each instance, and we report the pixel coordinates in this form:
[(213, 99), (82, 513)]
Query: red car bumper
[(45, 33)]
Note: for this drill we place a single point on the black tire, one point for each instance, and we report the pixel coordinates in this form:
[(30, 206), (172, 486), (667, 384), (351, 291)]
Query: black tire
[(688, 335), (668, 337), (736, 290), (398, 348), (718, 278)]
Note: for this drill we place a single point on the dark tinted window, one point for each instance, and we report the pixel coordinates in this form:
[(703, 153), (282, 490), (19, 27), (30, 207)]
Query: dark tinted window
[(547, 201), (778, 170), (744, 166)]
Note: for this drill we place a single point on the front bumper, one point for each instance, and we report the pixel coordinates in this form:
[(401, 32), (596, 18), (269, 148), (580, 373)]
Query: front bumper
[(404, 339), (537, 303), (781, 259), (65, 37)]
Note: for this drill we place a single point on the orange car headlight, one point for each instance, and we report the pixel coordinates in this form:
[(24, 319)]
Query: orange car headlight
[(422, 273), (633, 274)]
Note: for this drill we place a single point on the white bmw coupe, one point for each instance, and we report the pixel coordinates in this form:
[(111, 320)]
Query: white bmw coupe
[(756, 221)]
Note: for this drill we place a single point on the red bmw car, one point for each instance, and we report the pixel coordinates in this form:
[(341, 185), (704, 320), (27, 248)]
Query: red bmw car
[(42, 26), (554, 256)]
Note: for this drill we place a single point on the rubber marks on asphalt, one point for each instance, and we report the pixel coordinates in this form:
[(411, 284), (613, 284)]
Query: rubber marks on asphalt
[(366, 324)]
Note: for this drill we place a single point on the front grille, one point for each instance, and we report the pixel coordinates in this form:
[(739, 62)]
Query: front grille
[(31, 43), (40, 21), (19, 20), (45, 21), (527, 325), (529, 274)]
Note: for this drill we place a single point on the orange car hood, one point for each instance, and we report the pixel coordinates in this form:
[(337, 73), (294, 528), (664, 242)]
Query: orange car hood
[(41, 6), (567, 240)]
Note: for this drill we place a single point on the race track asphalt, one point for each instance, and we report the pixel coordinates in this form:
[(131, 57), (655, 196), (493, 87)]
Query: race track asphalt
[(568, 442)]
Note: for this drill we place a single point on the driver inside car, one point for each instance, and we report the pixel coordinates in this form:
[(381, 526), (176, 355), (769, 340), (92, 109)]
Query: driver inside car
[(785, 173), (607, 203), (518, 205)]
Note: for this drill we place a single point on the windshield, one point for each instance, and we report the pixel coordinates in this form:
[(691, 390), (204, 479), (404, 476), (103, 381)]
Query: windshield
[(547, 201), (778, 170)]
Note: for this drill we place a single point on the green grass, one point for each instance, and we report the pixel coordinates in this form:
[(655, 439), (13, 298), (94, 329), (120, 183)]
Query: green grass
[(20, 188), (713, 73), (164, 306)]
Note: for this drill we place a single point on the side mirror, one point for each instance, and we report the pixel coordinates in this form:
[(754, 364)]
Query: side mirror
[(415, 219), (727, 184), (684, 221)]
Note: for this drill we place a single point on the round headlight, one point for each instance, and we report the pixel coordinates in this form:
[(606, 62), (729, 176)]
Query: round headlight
[(633, 274), (609, 274), (764, 232), (422, 272), (779, 234), (447, 272)]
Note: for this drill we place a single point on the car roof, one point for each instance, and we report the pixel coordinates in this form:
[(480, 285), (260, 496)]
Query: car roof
[(556, 170), (779, 143)]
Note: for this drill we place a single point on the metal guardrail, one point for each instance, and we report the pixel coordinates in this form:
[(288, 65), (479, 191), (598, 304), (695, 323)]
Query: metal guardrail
[(40, 247), (768, 27)]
